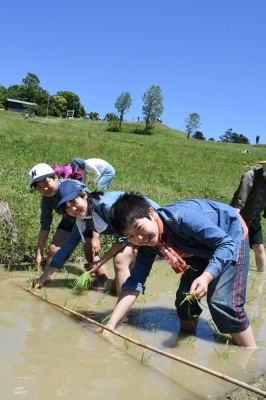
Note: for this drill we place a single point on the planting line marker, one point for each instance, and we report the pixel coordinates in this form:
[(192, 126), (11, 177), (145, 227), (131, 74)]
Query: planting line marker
[(146, 346)]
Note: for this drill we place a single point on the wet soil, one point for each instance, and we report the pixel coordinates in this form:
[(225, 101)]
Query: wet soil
[(242, 394)]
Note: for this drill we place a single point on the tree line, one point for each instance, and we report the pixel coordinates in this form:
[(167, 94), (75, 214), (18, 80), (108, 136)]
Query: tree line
[(193, 123), (57, 105)]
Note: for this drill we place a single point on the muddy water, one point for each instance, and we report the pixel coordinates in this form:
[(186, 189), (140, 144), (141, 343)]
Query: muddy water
[(49, 354)]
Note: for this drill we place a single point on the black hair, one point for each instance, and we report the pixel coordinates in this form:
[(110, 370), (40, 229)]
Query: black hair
[(52, 175), (90, 197), (128, 207)]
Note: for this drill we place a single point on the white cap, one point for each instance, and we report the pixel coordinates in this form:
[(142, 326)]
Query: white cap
[(39, 172)]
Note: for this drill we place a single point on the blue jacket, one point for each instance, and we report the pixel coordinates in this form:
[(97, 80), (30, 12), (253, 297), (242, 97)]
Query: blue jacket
[(200, 227), (102, 208)]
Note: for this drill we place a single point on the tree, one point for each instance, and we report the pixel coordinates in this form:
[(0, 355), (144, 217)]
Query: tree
[(17, 92), (111, 117), (192, 123), (73, 102), (57, 106), (153, 105), (32, 83), (198, 135), (232, 137), (31, 80), (122, 104), (3, 96)]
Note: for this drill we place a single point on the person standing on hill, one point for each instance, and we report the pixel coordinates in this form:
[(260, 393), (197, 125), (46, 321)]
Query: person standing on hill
[(102, 170), (250, 201)]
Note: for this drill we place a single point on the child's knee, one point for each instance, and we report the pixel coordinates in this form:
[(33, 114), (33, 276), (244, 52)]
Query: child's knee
[(53, 249)]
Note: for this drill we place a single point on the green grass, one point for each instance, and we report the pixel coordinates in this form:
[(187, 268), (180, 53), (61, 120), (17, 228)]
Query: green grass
[(165, 166)]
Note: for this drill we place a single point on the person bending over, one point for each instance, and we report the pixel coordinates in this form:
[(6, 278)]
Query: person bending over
[(91, 211), (204, 240)]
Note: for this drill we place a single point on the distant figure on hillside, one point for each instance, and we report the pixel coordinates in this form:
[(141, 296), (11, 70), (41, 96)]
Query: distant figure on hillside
[(103, 171), (250, 201), (65, 172), (138, 119), (257, 139)]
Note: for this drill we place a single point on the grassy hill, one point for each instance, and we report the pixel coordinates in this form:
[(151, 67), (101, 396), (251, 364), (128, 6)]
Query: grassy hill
[(164, 166)]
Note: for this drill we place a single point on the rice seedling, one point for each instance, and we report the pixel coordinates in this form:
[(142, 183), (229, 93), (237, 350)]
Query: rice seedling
[(190, 298), (65, 272), (127, 344), (157, 325), (145, 359), (104, 322), (223, 355), (30, 272), (83, 282), (102, 299), (253, 319), (44, 293), (192, 341), (8, 270), (253, 280), (251, 299)]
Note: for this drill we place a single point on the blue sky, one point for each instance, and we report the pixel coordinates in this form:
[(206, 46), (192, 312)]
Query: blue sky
[(207, 56)]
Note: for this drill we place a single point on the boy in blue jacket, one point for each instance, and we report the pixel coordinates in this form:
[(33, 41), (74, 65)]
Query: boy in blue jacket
[(204, 240)]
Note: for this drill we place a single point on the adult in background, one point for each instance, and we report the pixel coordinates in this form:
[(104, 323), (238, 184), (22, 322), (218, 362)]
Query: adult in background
[(65, 172), (250, 201), (102, 170)]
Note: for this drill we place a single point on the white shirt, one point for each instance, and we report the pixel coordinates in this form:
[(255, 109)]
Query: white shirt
[(94, 166)]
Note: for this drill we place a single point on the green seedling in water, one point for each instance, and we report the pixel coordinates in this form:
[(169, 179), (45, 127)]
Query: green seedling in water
[(102, 298), (83, 282), (65, 272), (157, 325), (145, 360), (192, 342), (30, 272), (44, 293), (224, 355), (253, 319), (8, 271), (104, 322)]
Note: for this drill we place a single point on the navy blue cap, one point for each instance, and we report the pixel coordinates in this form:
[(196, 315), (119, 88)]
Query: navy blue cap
[(67, 191)]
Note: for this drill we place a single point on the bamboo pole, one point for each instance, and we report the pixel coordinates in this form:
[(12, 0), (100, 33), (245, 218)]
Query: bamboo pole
[(146, 346)]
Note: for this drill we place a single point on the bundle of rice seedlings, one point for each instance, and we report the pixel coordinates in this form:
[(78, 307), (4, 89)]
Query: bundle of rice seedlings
[(83, 282)]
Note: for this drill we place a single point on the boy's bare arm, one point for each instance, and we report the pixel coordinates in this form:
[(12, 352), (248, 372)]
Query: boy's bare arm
[(43, 235), (113, 251), (125, 301)]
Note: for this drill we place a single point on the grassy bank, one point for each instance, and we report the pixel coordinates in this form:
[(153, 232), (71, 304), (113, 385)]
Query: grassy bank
[(164, 166)]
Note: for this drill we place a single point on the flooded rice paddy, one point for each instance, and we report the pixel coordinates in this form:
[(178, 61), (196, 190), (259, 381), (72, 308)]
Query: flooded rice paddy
[(48, 353)]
